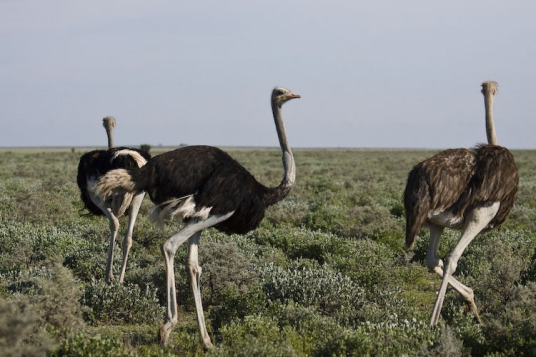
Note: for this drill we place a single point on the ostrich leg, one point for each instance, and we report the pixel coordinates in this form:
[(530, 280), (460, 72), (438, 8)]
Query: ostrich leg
[(127, 242), (477, 220), (436, 265), (114, 228), (195, 276), (169, 248)]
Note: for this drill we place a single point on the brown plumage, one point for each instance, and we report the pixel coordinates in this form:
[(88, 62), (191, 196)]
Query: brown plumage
[(456, 180), (470, 190)]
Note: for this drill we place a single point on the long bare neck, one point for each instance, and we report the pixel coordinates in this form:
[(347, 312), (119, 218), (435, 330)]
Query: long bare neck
[(489, 89), (109, 125), (276, 194)]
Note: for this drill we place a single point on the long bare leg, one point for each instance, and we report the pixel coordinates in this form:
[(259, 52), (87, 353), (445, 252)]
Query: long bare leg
[(195, 276), (436, 265), (477, 220), (114, 228), (169, 248), (127, 242)]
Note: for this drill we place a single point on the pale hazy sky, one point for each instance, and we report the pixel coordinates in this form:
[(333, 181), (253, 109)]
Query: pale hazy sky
[(371, 74)]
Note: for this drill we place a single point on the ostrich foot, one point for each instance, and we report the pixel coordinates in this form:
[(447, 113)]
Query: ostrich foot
[(109, 279), (207, 343), (165, 332), (472, 306)]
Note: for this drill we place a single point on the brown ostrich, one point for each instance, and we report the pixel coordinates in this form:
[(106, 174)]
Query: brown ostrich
[(469, 190)]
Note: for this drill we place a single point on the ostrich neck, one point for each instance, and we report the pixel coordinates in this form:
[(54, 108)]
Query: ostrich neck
[(109, 132), (490, 126), (276, 194)]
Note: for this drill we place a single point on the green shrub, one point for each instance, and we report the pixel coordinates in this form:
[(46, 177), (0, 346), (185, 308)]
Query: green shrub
[(513, 331), (320, 287), (256, 335), (298, 243), (21, 332), (117, 304), (237, 305), (225, 269), (494, 264), (447, 346), (43, 299), (338, 234), (367, 262), (79, 345), (23, 245)]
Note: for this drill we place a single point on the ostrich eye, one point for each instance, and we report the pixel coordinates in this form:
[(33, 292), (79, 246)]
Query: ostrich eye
[(279, 92)]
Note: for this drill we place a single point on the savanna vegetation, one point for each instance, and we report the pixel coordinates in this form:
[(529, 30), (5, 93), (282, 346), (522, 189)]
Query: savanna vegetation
[(326, 273)]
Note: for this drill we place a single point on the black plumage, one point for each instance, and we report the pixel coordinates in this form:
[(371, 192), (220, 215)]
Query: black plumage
[(205, 187), (215, 180), (95, 164)]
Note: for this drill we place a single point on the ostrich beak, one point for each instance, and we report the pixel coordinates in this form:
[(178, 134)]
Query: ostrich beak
[(292, 96)]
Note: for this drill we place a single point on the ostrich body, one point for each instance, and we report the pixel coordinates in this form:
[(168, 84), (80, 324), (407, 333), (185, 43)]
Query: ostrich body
[(469, 190), (204, 187), (93, 165)]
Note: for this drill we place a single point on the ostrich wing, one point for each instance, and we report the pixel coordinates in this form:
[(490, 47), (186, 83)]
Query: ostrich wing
[(447, 175)]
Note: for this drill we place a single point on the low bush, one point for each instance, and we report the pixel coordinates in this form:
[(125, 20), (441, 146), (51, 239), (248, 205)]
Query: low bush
[(79, 345), (21, 332), (320, 287), (495, 264), (512, 332), (118, 304), (325, 274)]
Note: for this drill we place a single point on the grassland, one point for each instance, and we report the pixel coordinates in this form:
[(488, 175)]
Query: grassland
[(326, 273)]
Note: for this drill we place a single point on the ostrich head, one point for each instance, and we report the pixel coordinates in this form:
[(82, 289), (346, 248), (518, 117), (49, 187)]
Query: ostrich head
[(108, 122), (280, 95), (490, 87)]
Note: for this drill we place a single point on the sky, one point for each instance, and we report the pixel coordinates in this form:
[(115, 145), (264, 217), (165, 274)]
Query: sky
[(372, 74)]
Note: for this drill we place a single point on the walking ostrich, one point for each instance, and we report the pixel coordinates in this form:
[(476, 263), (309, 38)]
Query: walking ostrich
[(469, 190), (204, 187), (93, 165)]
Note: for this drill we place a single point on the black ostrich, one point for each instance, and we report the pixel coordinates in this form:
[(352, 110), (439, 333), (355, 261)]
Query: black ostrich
[(204, 187), (93, 165), (469, 190)]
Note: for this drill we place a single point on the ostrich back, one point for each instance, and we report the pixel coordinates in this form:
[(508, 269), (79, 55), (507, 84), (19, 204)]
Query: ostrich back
[(215, 179), (457, 180), (96, 163)]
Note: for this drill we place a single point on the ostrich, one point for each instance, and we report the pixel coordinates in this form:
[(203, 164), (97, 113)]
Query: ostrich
[(469, 190), (204, 187), (95, 164)]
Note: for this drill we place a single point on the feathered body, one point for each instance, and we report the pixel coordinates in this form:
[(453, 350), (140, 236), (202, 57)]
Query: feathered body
[(215, 182), (455, 181), (470, 190), (96, 163), (204, 187), (196, 181)]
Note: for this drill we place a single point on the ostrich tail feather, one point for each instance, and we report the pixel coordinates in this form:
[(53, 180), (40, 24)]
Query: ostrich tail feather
[(416, 204), (120, 203), (115, 182)]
